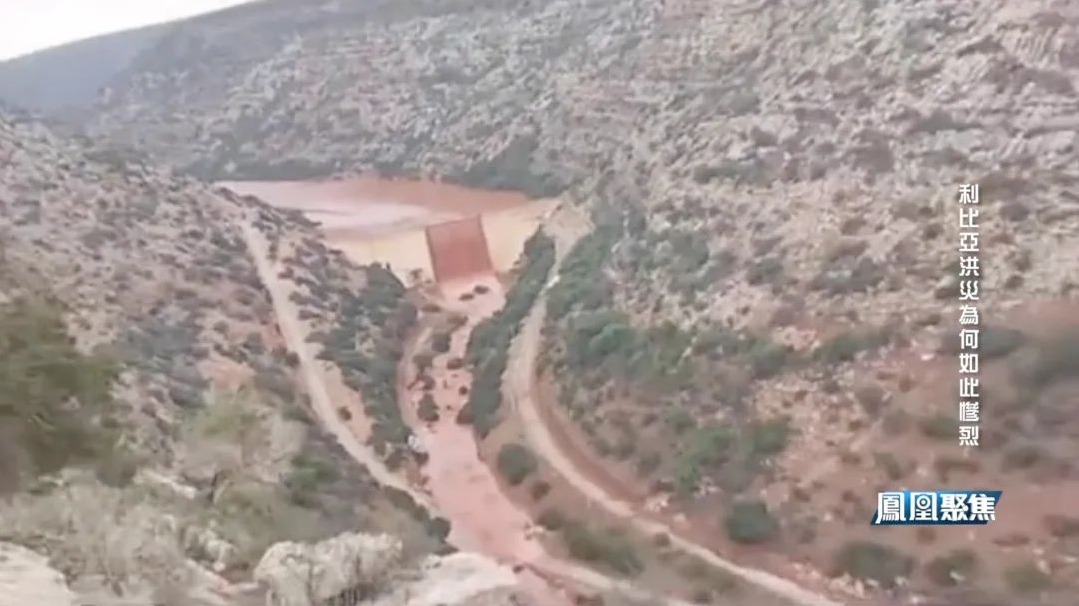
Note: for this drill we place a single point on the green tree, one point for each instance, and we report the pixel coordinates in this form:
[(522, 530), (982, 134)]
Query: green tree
[(53, 396), (516, 462), (750, 522)]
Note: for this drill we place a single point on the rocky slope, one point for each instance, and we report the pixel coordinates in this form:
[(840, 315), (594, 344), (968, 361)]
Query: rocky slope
[(765, 305), (150, 413), (75, 71)]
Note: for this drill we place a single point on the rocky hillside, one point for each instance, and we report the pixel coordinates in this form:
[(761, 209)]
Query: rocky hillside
[(769, 305), (75, 72), (150, 412)]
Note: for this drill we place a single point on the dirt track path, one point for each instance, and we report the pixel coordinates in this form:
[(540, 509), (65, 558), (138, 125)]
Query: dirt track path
[(556, 572), (518, 389), (311, 370)]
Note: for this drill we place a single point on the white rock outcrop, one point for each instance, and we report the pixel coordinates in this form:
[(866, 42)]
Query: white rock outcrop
[(297, 574), (460, 579), (27, 578)]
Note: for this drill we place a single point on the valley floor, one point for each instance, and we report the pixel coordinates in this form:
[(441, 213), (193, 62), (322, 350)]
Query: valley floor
[(456, 481)]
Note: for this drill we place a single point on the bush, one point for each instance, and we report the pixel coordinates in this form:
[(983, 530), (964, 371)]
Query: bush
[(306, 478), (51, 394), (766, 359), (995, 342), (679, 420), (439, 528), (770, 437), (942, 570), (705, 447), (440, 342), (609, 548), (845, 346), (552, 519), (423, 361), (1027, 578), (872, 561), (871, 397), (427, 410), (1061, 527), (455, 364), (890, 465), (515, 463), (1022, 456), (1057, 358), (940, 427), (750, 522)]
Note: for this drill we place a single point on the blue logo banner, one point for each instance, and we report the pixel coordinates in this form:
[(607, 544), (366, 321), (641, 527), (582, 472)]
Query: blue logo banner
[(936, 507)]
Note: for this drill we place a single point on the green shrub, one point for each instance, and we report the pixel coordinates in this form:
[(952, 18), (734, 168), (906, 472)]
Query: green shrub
[(439, 528), (1022, 456), (872, 561), (705, 448), (307, 476), (750, 522), (50, 393), (940, 427), (845, 346), (996, 342), (961, 562), (440, 342), (608, 548), (680, 420), (767, 359), (552, 519), (770, 437), (427, 409), (515, 462), (1057, 358), (1027, 578), (890, 465), (423, 361)]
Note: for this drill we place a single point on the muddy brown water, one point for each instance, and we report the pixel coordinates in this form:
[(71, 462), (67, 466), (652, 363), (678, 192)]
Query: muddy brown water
[(380, 221), (373, 206), (392, 222), (484, 519)]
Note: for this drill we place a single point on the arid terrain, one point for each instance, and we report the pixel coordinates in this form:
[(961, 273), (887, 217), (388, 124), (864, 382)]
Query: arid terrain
[(737, 325), (145, 366)]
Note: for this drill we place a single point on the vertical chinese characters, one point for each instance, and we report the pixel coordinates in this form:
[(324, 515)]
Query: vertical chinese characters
[(969, 321)]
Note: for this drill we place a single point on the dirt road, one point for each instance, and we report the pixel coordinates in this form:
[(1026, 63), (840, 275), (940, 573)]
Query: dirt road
[(538, 571), (518, 389), (314, 376), (464, 487)]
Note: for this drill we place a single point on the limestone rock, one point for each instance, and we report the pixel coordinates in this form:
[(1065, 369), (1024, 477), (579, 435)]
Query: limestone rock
[(297, 574), (369, 568), (460, 579), (27, 578)]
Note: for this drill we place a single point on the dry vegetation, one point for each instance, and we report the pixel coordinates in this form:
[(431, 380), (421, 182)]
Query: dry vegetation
[(146, 385), (761, 325)]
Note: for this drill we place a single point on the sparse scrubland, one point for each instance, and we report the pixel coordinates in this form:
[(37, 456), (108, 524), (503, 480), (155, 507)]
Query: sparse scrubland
[(761, 328), (150, 416)]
